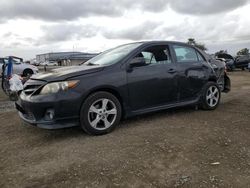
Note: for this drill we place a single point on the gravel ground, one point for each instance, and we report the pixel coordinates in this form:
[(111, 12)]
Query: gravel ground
[(173, 148)]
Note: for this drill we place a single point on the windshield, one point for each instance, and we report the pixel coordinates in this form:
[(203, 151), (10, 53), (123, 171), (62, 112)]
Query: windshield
[(6, 61), (113, 56)]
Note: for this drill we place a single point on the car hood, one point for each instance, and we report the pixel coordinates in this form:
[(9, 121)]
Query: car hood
[(66, 72)]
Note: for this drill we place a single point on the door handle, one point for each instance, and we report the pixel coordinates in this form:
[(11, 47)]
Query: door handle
[(172, 71)]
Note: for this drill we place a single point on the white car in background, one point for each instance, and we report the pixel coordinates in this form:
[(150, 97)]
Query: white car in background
[(49, 63), (21, 68)]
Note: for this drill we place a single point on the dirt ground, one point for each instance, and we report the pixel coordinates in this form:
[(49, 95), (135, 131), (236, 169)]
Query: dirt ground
[(173, 148)]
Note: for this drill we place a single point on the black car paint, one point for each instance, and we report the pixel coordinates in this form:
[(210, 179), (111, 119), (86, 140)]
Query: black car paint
[(140, 89)]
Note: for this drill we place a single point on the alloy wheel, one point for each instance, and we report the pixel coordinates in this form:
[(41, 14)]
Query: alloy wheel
[(212, 96), (102, 114)]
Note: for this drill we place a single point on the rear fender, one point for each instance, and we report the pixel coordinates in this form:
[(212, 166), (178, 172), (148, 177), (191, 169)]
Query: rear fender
[(227, 84)]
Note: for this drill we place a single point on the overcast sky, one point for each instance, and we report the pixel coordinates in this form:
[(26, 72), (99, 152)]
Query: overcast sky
[(30, 27)]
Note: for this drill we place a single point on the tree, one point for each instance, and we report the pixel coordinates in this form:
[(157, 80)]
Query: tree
[(192, 42), (244, 51)]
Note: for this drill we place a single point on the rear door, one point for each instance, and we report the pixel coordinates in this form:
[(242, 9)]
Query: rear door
[(192, 71), (155, 83)]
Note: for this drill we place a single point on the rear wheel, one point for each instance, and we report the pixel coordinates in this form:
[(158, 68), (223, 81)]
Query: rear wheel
[(211, 96), (100, 113)]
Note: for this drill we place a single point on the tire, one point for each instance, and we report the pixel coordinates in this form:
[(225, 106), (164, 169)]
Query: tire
[(27, 72), (100, 113), (6, 86), (211, 95)]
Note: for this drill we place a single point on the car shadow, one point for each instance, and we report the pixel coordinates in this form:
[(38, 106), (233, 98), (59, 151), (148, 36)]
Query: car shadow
[(154, 116), (76, 132)]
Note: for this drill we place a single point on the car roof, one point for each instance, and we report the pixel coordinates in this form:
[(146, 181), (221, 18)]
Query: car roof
[(159, 42), (162, 42)]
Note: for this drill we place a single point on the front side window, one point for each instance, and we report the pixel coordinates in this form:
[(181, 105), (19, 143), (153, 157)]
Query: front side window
[(156, 55), (185, 54)]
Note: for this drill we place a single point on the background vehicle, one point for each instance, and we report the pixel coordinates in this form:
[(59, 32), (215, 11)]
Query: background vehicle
[(19, 67), (49, 63), (129, 80), (232, 63), (228, 59), (242, 61), (34, 62)]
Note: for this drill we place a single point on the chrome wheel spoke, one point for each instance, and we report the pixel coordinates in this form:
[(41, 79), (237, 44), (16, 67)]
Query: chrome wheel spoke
[(209, 97), (106, 123), (112, 111), (94, 109), (104, 104), (211, 102), (215, 91), (210, 90), (215, 101), (95, 122)]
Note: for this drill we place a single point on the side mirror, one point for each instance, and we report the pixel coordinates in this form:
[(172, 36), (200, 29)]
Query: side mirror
[(137, 62)]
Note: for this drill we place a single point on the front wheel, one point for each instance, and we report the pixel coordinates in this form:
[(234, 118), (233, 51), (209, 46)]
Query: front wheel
[(100, 113), (27, 72), (210, 98), (6, 86)]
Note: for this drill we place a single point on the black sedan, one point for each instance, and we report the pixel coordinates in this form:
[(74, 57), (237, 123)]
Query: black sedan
[(129, 80)]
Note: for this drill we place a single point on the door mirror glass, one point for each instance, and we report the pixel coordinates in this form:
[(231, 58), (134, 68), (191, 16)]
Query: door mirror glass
[(138, 62)]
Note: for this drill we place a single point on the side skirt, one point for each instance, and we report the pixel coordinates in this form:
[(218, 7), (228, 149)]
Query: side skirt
[(163, 107)]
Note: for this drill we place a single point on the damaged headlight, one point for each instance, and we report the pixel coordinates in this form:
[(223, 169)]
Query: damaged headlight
[(58, 86)]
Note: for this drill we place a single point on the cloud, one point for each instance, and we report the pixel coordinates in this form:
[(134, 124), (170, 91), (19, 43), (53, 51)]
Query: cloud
[(204, 7), (58, 10), (142, 31), (54, 25), (8, 34), (66, 32), (54, 10)]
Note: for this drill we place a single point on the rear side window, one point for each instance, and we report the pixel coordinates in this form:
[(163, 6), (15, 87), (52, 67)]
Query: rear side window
[(185, 54)]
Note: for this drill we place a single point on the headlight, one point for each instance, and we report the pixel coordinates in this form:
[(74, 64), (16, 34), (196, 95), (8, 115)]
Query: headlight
[(58, 86)]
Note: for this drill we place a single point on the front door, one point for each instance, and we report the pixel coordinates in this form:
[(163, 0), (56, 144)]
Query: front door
[(154, 83)]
